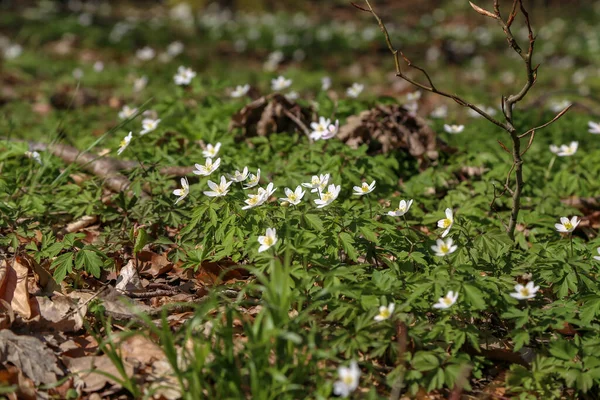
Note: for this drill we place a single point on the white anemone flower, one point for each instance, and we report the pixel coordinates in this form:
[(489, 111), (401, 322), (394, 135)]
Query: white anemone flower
[(293, 197), (175, 48), (140, 83), (34, 155), (293, 95), (567, 150), (363, 189), (184, 76), (566, 225), (239, 176), (280, 83), (446, 223), (317, 183), (328, 197), (145, 53), (258, 199), (413, 96), (184, 191), (597, 258), (268, 240), (355, 90), (148, 125), (594, 127), (348, 381), (319, 128), (124, 143), (253, 180), (219, 190), (454, 128), (208, 168), (525, 292), (240, 91), (402, 209), (325, 83), (443, 248), (127, 112), (211, 151), (447, 301), (439, 112), (385, 312)]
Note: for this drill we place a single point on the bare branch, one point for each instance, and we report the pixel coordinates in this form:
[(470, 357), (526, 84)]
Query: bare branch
[(560, 114), (484, 12)]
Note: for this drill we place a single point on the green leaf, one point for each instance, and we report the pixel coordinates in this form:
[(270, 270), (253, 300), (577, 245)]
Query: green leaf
[(90, 261), (425, 361), (520, 338), (348, 245), (314, 222), (474, 296), (62, 265), (563, 349), (141, 240)]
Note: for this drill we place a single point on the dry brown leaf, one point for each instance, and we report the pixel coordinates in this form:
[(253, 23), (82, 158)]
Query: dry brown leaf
[(86, 368), (25, 388), (60, 313), (13, 288), (30, 355), (271, 114), (129, 279), (154, 265), (139, 349)]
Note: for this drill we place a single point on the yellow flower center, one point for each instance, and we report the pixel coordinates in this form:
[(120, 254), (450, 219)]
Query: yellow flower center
[(348, 380), (524, 292), (123, 143), (327, 196), (568, 225), (365, 187), (446, 222), (384, 313), (268, 241), (293, 197), (447, 301), (444, 248)]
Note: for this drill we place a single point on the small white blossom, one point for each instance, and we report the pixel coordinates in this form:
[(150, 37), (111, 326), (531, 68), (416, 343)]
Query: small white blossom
[(325, 83), (567, 225), (175, 48), (439, 112), (183, 192), (145, 53), (219, 190), (558, 106), (348, 381), (140, 83), (78, 73), (328, 197), (411, 107), (414, 96), (240, 91), (447, 301), (355, 90), (268, 240), (280, 83), (446, 223), (454, 128), (597, 258), (13, 51), (98, 66), (184, 76), (324, 129), (211, 151), (365, 188), (253, 180), (385, 312), (443, 248), (293, 95), (402, 209), (525, 292), (565, 150), (258, 199), (239, 176), (208, 168), (127, 112), (317, 183), (148, 125), (594, 127), (34, 155), (124, 143), (293, 197)]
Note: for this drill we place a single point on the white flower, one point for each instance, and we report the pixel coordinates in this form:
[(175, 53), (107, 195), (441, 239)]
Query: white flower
[(98, 66), (253, 180), (280, 83), (411, 107), (567, 150), (211, 151), (446, 302), (439, 112), (184, 191), (184, 76), (443, 248), (365, 188), (525, 292), (328, 197), (414, 96), (348, 380), (447, 222), (293, 95), (268, 240), (331, 131), (140, 83), (208, 168), (325, 83), (489, 110), (317, 183), (124, 143), (175, 48), (385, 312), (148, 125), (554, 149), (78, 73), (598, 256), (594, 127), (567, 225), (218, 190), (35, 156), (454, 128), (355, 90), (293, 197), (240, 91), (13, 51), (145, 53), (402, 209), (239, 176), (324, 129), (258, 199), (127, 112), (558, 106)]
